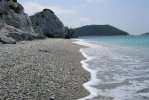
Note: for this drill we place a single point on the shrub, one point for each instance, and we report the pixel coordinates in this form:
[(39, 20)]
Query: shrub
[(16, 7)]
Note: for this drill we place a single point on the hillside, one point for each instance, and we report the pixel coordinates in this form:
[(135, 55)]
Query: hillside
[(147, 33), (99, 30)]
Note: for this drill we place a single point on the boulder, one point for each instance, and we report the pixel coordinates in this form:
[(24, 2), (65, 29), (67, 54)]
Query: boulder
[(48, 24), (6, 40), (69, 33)]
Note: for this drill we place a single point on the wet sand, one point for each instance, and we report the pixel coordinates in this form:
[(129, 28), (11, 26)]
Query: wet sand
[(41, 69)]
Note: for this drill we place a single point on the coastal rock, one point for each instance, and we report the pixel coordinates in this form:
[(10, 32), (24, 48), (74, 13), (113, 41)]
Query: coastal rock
[(70, 33), (12, 13), (9, 33), (15, 25), (6, 40), (46, 23)]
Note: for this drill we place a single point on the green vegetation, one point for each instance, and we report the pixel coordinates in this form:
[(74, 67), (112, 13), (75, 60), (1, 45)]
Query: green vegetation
[(147, 33), (16, 7), (48, 10), (99, 30)]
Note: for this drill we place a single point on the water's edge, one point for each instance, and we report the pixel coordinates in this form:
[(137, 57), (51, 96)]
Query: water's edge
[(93, 80), (118, 72)]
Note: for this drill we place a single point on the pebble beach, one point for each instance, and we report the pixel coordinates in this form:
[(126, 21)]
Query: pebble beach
[(42, 70)]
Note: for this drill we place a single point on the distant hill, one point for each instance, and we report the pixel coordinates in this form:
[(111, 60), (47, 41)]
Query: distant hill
[(99, 30), (147, 33)]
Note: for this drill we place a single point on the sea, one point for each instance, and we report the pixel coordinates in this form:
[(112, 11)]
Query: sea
[(119, 67)]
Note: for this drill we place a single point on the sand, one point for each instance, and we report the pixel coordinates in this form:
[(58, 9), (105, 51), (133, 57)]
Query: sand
[(41, 69)]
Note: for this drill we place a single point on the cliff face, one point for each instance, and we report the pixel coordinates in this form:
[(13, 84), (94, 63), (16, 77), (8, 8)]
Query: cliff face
[(48, 24), (15, 25), (99, 30), (11, 13)]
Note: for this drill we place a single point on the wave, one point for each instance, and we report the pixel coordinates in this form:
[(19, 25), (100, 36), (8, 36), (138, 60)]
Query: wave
[(116, 72), (93, 81)]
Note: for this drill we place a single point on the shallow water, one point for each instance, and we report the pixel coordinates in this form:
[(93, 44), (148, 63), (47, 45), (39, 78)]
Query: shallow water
[(119, 66)]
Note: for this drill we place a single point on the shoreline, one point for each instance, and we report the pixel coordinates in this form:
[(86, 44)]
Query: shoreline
[(42, 69), (93, 80), (109, 68), (89, 86)]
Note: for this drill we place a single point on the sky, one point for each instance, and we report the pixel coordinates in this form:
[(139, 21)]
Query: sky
[(131, 16)]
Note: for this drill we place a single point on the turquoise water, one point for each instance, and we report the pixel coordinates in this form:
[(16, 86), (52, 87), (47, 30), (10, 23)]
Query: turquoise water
[(119, 66), (130, 41)]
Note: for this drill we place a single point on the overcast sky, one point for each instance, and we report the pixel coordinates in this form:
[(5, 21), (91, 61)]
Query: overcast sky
[(131, 16)]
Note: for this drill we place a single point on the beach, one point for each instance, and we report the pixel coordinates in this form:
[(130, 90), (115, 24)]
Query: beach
[(42, 69)]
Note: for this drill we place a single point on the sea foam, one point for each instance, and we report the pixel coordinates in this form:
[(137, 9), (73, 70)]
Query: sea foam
[(117, 72), (93, 81)]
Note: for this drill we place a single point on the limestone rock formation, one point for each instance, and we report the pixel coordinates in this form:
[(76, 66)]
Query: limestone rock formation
[(6, 40), (15, 25), (10, 35), (70, 33), (12, 14), (48, 24)]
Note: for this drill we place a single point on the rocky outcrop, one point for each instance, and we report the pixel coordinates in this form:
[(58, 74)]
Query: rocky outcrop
[(15, 25), (6, 40), (48, 24), (10, 34), (70, 33), (12, 14)]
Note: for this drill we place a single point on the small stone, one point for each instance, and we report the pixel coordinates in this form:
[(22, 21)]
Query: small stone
[(43, 50), (52, 97)]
